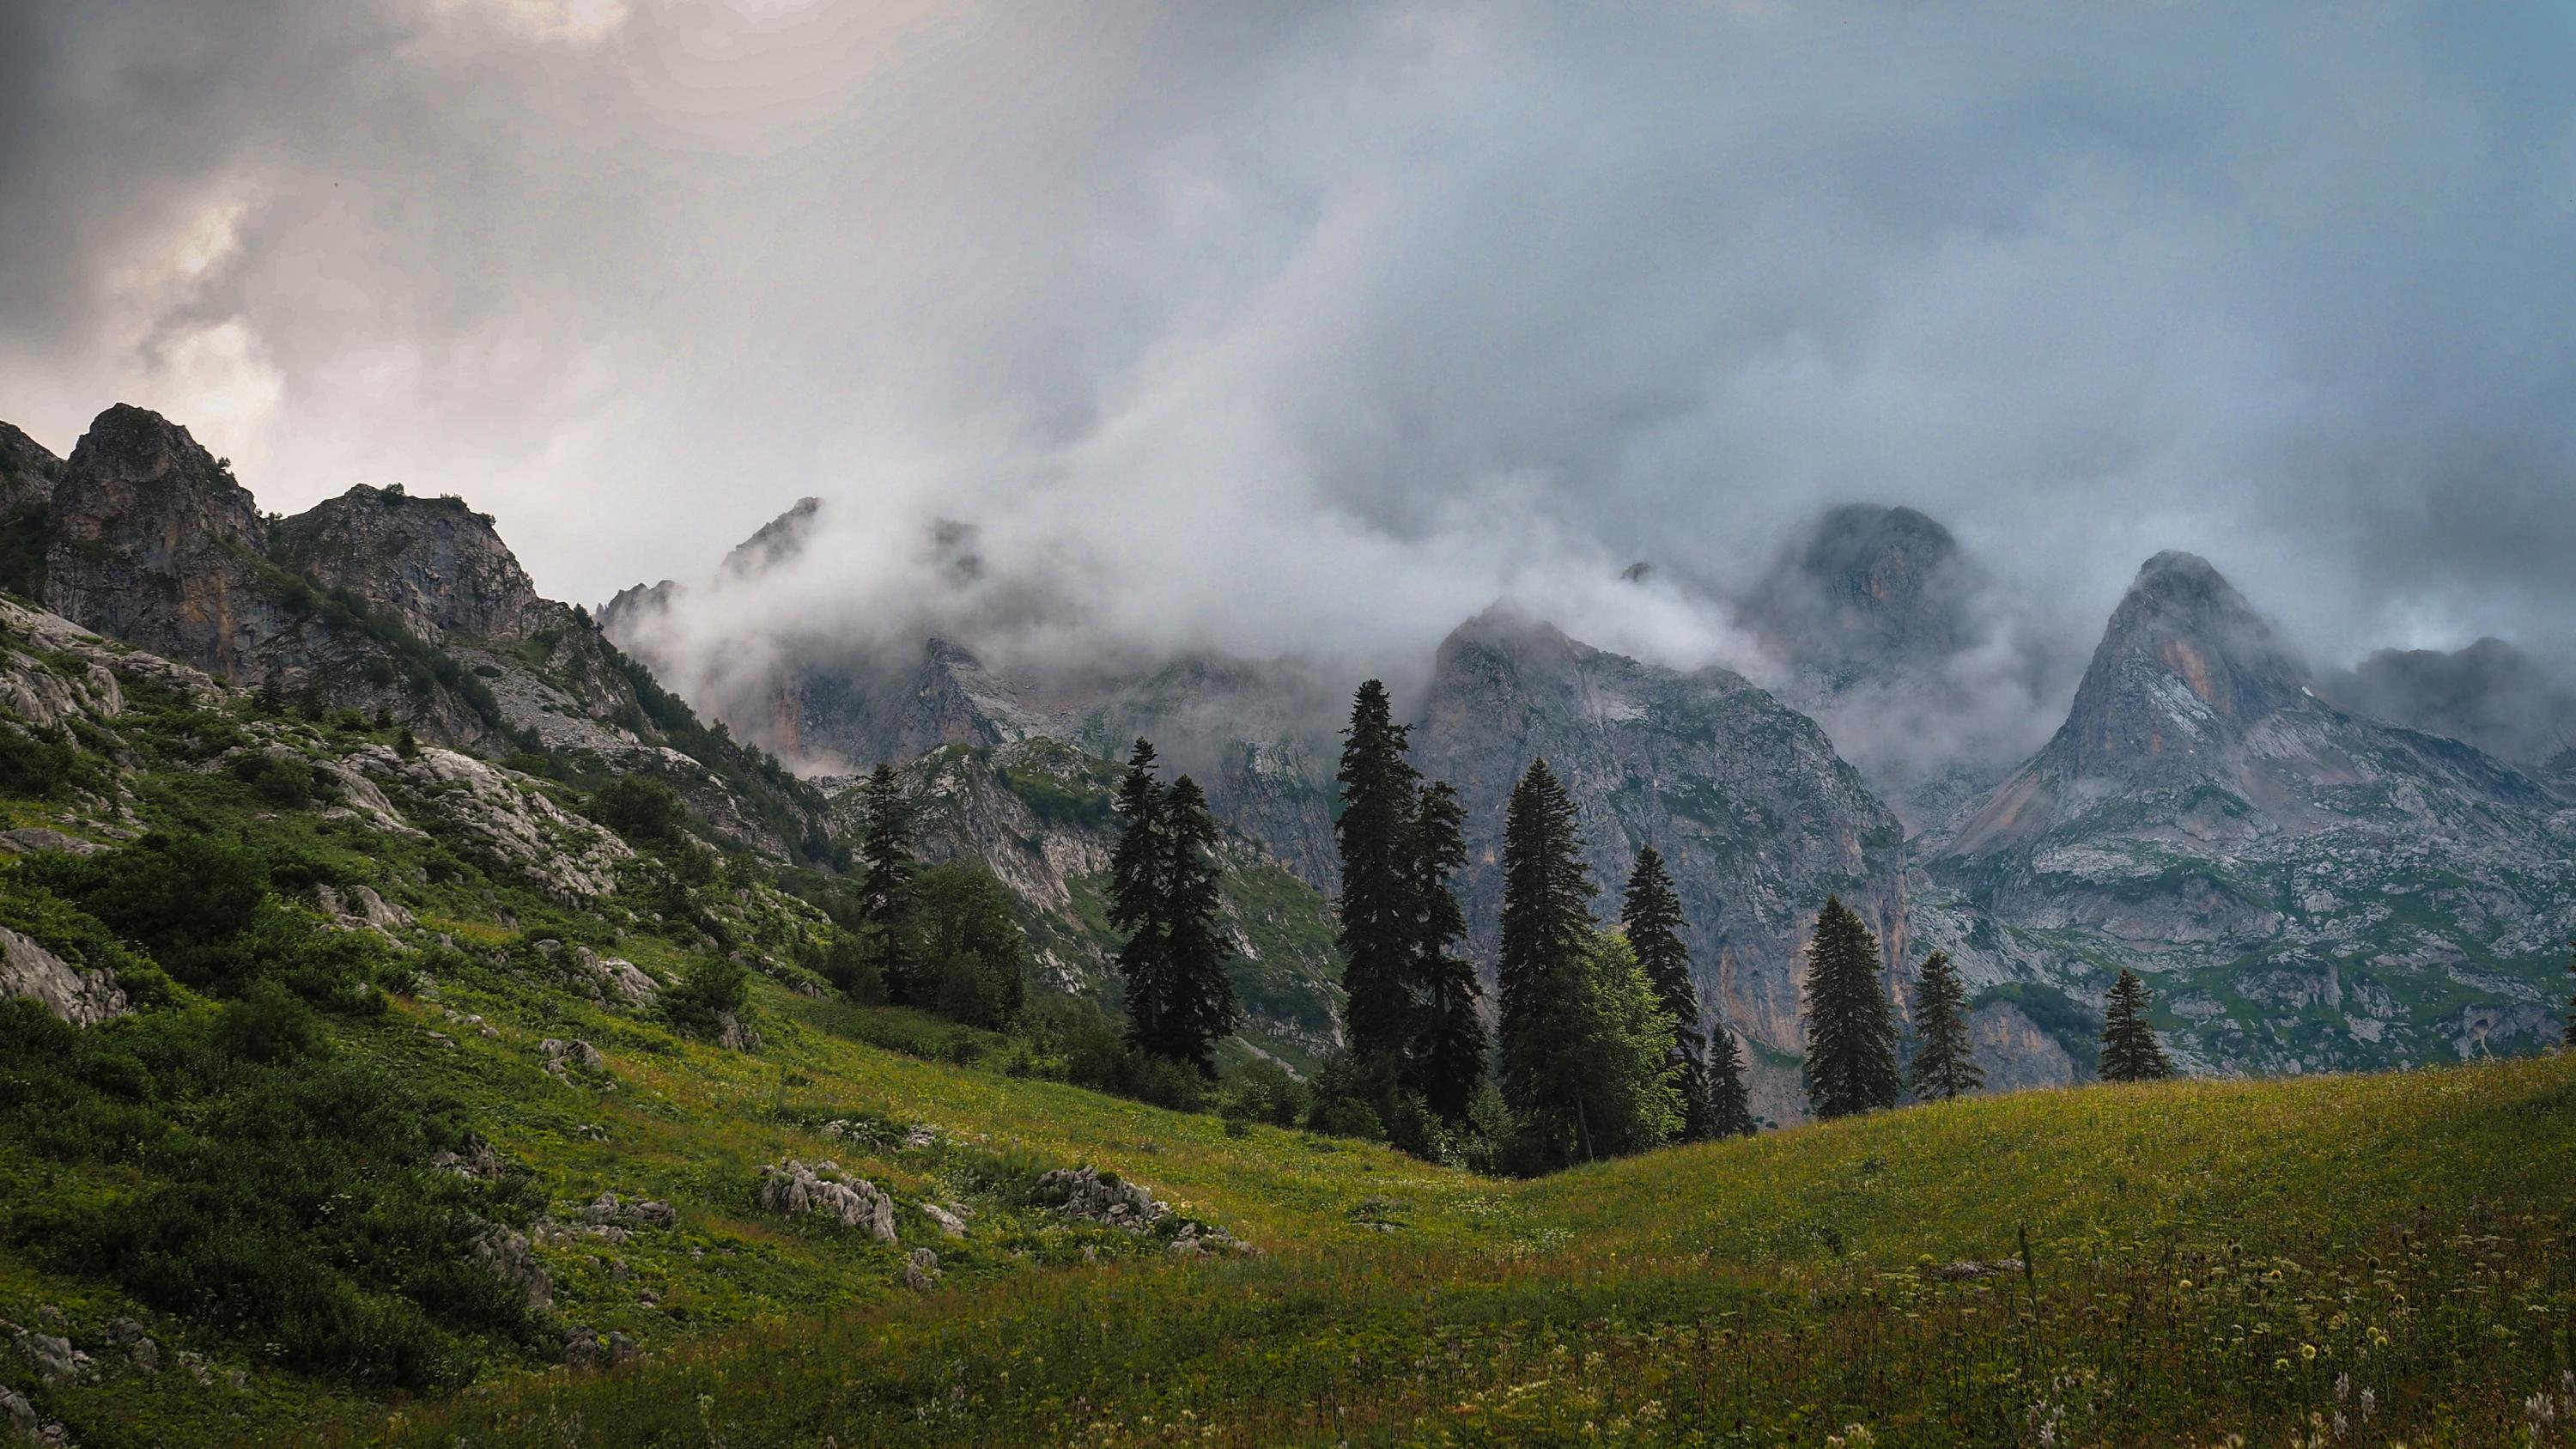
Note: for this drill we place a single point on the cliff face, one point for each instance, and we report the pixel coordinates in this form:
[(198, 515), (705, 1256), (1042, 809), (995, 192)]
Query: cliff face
[(434, 562), (1745, 798), (155, 544), (2204, 816)]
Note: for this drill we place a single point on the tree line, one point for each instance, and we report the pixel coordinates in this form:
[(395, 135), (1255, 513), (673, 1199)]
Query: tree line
[(1599, 1044)]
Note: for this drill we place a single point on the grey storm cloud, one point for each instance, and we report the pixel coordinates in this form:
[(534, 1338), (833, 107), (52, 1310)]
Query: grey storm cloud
[(1314, 328)]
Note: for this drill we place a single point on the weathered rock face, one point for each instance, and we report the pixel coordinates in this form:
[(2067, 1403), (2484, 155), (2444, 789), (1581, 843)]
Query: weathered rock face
[(155, 544), (83, 998), (435, 562), (1867, 588), (776, 542), (568, 856), (28, 470), (2204, 816), (1758, 817)]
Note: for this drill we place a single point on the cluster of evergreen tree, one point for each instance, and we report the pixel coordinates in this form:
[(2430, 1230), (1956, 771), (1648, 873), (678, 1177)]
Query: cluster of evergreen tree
[(944, 939), (1410, 1024), (1163, 892)]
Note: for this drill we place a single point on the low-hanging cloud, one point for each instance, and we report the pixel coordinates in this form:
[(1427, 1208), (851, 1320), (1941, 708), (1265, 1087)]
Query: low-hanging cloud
[(1312, 329)]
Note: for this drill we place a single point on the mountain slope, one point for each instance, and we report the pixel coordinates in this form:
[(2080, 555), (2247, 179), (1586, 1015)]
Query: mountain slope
[(2315, 889), (2489, 694), (1745, 798)]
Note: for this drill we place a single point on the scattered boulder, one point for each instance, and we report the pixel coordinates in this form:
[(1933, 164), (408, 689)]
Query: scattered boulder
[(138, 1346), (653, 1215), (619, 980), (560, 1054), (478, 1161), (792, 1189), (1088, 1193), (1200, 1240), (54, 1358), (919, 1137), (20, 1414), (921, 1270), (949, 1224), (83, 998), (38, 840), (1967, 1268), (733, 1036), (194, 1363), (505, 1254)]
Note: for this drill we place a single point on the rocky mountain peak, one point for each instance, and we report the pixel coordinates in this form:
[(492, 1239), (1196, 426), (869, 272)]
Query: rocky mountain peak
[(153, 541), (434, 561), (1869, 587), (2186, 663), (773, 543)]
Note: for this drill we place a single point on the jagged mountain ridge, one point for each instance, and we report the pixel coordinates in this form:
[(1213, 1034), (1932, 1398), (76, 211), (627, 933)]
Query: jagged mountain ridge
[(2488, 694), (371, 601), (2309, 888)]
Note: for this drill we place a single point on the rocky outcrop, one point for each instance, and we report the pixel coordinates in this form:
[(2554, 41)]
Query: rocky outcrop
[(1105, 1198), (28, 471), (82, 998), (792, 1189), (505, 813), (1758, 817), (2204, 816), (155, 543), (504, 1253), (436, 563)]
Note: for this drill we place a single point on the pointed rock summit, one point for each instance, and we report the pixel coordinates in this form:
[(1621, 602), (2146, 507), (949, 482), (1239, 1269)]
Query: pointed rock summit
[(1870, 587), (434, 561), (154, 543)]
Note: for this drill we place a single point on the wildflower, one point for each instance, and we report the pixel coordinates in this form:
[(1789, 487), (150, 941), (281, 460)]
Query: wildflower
[(2308, 1352), (2342, 1426), (2343, 1387), (2369, 1402)]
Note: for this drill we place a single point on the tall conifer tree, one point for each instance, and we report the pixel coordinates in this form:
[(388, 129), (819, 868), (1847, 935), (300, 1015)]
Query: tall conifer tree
[(886, 914), (1198, 1006), (1652, 917), (1380, 903), (1547, 927), (1944, 1063), (1136, 868), (2130, 1051), (1851, 1026), (1447, 1055), (1730, 1106)]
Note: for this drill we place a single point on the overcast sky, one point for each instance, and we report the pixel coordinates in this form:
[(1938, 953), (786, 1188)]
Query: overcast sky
[(1315, 326)]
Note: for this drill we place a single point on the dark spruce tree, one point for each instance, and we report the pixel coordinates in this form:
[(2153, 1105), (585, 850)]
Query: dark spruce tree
[(1652, 916), (1380, 905), (1197, 1008), (1136, 892), (1447, 1055), (886, 898), (2130, 1051), (1851, 1026), (1730, 1106), (1944, 1063), (1541, 968), (2570, 1036)]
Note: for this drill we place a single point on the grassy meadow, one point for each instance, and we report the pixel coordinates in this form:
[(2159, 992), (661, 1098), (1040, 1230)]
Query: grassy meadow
[(2378, 1260)]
